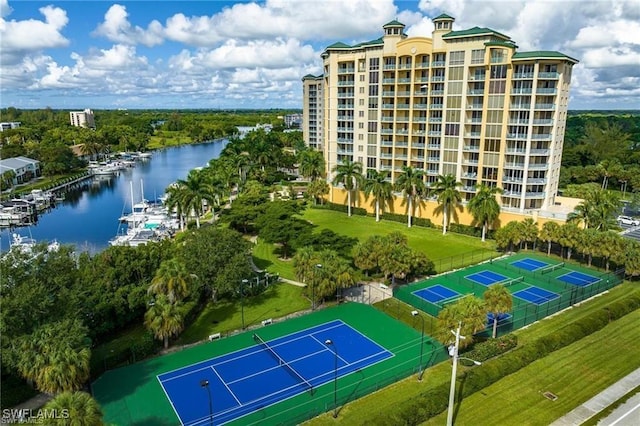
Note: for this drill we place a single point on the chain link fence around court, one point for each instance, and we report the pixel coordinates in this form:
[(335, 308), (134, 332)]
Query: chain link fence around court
[(523, 312), (465, 259)]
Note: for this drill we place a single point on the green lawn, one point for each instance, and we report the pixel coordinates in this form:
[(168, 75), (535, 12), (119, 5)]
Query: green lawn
[(439, 248), (575, 366), (265, 257), (225, 316), (574, 373)]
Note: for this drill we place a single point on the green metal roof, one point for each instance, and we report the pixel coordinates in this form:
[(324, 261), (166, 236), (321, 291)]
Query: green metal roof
[(543, 54), (339, 45), (510, 44), (393, 23), (375, 42), (475, 31), (443, 16), (311, 77)]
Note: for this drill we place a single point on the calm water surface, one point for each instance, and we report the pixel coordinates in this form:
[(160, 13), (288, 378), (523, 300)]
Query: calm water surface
[(88, 217)]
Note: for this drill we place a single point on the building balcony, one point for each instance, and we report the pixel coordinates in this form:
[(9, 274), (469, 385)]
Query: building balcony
[(387, 119), (521, 91), (389, 67), (433, 159), (345, 151), (404, 80), (518, 121), (470, 175), (345, 95), (438, 63), (422, 65), (419, 119), (420, 106), (386, 167), (346, 70), (345, 140), (537, 181), (474, 120), (346, 83), (403, 106), (345, 129), (419, 132), (512, 194), (432, 172), (538, 166), (518, 136), (435, 132), (508, 179), (546, 90), (418, 145), (435, 119), (548, 75), (386, 155), (433, 146), (539, 152), (388, 81), (518, 166), (386, 143), (388, 106), (437, 78), (389, 94), (474, 106), (545, 106), (534, 194), (436, 106), (404, 93), (386, 131), (543, 122), (401, 156), (467, 161), (468, 188), (523, 76), (520, 106), (477, 77), (405, 66), (541, 136), (520, 151), (422, 79), (471, 148), (475, 92), (472, 135), (417, 158), (402, 131), (402, 144)]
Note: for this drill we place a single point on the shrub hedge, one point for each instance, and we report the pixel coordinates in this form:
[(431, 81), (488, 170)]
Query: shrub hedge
[(433, 401), (358, 211)]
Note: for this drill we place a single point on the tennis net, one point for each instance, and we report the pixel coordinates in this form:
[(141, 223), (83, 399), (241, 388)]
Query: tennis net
[(444, 303), (513, 281), (552, 268), (282, 362)]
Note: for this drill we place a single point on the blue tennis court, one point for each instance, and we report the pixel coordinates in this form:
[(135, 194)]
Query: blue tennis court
[(268, 372), (578, 278), (502, 318), (436, 293), (536, 295), (486, 277), (529, 264)]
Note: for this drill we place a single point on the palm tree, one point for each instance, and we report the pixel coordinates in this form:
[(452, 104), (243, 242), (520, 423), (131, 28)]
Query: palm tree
[(484, 207), (175, 202), (81, 409), (194, 190), (317, 189), (549, 233), (311, 164), (171, 280), (411, 183), (568, 237), (588, 243), (378, 185), (469, 312), (449, 197), (164, 319), (349, 174), (529, 230), (498, 301)]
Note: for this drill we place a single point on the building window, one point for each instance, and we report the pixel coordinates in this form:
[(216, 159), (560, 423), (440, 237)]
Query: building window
[(477, 56), (498, 71), (456, 58), (374, 64)]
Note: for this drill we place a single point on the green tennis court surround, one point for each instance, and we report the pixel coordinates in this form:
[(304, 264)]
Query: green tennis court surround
[(134, 394)]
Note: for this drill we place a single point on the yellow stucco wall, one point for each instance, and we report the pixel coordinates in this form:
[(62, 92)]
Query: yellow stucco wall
[(426, 210)]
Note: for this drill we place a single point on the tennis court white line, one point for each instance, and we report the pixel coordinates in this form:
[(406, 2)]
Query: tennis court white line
[(573, 276), (226, 386), (170, 401), (206, 363), (276, 367), (327, 349)]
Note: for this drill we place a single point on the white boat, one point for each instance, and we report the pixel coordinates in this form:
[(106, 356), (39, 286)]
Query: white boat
[(20, 243)]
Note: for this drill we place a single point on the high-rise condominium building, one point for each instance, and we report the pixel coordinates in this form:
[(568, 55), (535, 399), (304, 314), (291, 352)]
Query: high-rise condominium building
[(465, 103), (82, 119), (312, 110)]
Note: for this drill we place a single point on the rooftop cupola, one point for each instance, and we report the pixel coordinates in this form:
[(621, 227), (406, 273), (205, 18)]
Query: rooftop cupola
[(442, 24), (393, 29)]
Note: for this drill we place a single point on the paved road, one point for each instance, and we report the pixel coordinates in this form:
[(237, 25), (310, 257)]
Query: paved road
[(628, 414)]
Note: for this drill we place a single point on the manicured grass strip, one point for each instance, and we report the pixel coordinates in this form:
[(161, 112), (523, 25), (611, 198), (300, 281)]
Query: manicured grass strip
[(225, 316), (574, 373)]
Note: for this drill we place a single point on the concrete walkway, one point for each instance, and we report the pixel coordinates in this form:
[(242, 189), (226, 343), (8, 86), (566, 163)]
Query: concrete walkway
[(601, 401)]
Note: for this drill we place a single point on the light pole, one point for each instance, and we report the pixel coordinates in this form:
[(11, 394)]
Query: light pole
[(453, 351), (417, 314), (244, 281), (313, 288), (329, 342), (205, 384)]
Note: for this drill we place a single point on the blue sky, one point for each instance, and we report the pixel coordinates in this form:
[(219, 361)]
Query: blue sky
[(224, 54)]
